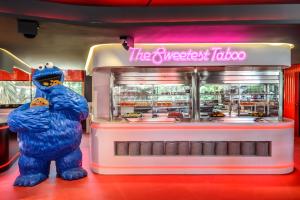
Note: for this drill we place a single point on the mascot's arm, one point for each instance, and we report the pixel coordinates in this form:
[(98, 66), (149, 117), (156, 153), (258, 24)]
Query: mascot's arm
[(62, 98), (24, 118)]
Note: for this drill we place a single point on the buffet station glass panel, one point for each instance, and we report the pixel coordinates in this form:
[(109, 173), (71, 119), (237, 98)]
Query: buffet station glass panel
[(221, 95), (152, 102), (241, 95)]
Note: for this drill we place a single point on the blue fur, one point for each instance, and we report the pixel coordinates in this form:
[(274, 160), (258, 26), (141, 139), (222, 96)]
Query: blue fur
[(49, 133)]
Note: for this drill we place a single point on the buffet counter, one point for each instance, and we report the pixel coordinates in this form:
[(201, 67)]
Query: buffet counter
[(157, 88), (222, 146)]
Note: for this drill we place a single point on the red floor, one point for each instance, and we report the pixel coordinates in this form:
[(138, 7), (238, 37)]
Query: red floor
[(158, 187)]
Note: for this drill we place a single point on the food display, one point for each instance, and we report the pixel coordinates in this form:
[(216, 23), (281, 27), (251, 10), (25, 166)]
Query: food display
[(132, 115), (257, 114), (158, 103), (127, 103), (168, 100), (175, 115), (252, 100), (216, 100), (132, 104), (217, 114), (247, 103), (39, 102), (163, 103)]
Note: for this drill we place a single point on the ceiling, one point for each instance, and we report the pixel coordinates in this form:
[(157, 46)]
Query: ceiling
[(68, 31), (169, 2), (99, 15), (67, 45)]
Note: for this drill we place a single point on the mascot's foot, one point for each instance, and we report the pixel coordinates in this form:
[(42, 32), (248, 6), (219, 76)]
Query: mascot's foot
[(73, 174), (29, 180)]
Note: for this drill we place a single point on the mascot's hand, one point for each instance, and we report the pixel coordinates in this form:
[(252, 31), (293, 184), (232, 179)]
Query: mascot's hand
[(36, 119)]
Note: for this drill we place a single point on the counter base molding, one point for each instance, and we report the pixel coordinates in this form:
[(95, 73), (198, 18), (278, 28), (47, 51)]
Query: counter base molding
[(192, 148)]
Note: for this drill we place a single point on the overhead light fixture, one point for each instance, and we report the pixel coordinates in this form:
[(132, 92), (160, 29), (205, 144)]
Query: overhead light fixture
[(29, 28)]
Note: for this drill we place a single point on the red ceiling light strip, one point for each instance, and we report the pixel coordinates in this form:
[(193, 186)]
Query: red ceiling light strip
[(169, 2), (16, 75), (10, 161), (19, 75), (3, 127), (149, 3), (74, 75), (95, 165), (103, 2), (217, 2)]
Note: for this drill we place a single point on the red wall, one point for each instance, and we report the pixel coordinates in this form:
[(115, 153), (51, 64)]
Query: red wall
[(16, 75), (291, 95), (74, 75), (19, 75)]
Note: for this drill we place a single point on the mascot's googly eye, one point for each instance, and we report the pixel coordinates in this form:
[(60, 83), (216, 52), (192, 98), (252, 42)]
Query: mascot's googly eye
[(49, 65), (41, 67)]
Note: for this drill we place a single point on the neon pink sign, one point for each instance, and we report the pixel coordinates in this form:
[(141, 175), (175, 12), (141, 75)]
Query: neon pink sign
[(162, 55)]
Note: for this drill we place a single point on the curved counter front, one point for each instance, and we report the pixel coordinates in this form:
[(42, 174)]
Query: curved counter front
[(192, 147), (8, 144)]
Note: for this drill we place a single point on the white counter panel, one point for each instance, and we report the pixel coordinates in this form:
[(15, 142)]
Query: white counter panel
[(279, 134)]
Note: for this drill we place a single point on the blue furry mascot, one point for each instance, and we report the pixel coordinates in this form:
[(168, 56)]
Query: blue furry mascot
[(49, 129)]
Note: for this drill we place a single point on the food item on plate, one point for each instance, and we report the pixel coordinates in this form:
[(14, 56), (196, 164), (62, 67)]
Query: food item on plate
[(155, 115), (257, 114), (175, 115), (141, 103), (163, 103), (127, 103), (132, 115), (259, 119), (247, 103), (132, 104), (217, 114)]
